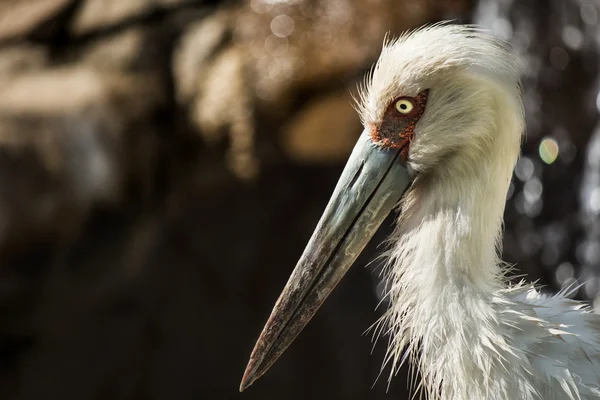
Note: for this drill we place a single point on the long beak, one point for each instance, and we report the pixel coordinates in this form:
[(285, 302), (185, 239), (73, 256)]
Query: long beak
[(371, 185)]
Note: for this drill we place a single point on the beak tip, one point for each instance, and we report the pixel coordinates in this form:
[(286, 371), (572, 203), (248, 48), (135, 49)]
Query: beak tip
[(244, 385), (249, 376)]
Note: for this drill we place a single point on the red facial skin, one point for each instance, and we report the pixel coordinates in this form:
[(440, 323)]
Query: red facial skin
[(396, 129)]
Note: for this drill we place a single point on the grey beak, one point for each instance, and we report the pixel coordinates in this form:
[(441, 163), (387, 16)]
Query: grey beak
[(371, 185)]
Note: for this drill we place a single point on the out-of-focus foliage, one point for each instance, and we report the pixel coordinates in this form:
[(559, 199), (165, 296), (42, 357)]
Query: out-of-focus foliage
[(163, 162)]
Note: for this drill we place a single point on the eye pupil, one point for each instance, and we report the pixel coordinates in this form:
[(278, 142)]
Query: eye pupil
[(404, 106)]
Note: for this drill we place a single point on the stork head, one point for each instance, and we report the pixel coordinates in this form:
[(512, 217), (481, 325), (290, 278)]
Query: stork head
[(435, 91), (434, 105)]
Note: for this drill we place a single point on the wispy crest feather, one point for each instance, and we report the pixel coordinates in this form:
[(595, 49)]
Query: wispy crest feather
[(411, 58)]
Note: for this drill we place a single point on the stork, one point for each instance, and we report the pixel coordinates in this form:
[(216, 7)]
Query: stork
[(443, 121)]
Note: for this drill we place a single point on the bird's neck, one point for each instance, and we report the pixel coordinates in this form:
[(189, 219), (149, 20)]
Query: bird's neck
[(451, 220), (456, 230), (445, 274)]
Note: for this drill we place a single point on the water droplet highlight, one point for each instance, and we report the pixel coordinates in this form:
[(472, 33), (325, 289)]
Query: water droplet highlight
[(548, 150)]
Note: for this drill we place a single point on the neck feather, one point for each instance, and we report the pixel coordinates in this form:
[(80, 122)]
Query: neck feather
[(444, 273)]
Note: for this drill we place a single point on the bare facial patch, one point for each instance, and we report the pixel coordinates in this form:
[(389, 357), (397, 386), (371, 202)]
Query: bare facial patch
[(398, 125)]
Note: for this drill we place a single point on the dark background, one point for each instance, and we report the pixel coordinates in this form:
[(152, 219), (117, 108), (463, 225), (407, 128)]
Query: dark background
[(163, 163)]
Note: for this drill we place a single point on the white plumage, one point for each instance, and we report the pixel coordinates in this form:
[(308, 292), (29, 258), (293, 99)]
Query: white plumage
[(470, 333)]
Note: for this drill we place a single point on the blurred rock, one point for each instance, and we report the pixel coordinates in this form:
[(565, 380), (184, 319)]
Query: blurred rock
[(317, 43), (74, 89), (121, 51), (20, 17), (325, 131), (62, 139), (258, 60), (212, 85), (194, 52), (18, 59), (99, 14)]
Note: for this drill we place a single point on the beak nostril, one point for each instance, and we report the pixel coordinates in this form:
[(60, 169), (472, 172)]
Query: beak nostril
[(356, 175)]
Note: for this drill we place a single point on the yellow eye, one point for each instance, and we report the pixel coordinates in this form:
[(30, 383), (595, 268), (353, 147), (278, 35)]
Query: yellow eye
[(404, 106)]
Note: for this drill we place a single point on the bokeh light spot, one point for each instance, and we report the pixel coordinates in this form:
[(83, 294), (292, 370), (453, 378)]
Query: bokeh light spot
[(572, 37), (564, 272), (524, 169), (548, 150), (282, 26), (595, 200), (591, 287), (589, 13), (532, 190)]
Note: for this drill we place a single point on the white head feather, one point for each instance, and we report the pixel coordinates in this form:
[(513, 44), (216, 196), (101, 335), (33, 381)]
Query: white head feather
[(471, 335), (466, 69)]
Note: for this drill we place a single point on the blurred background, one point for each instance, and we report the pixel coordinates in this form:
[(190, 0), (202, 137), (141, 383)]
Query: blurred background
[(164, 162)]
